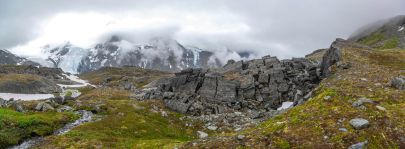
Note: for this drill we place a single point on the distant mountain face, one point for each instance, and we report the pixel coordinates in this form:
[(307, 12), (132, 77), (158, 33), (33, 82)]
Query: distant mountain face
[(384, 34), (7, 57), (159, 54)]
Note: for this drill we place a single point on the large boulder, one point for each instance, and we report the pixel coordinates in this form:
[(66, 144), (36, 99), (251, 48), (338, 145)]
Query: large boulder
[(43, 106), (331, 57)]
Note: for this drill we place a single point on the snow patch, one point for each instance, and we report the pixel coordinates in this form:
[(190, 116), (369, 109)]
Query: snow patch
[(286, 105), (82, 83), (401, 28)]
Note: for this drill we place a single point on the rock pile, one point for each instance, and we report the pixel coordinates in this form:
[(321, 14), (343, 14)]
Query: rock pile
[(259, 85), (14, 104)]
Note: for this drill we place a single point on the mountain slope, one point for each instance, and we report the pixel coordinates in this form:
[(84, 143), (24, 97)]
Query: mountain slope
[(7, 57), (158, 53), (384, 34), (324, 121), (66, 56)]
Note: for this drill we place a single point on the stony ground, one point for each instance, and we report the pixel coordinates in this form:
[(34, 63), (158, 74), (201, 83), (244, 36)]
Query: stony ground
[(324, 121)]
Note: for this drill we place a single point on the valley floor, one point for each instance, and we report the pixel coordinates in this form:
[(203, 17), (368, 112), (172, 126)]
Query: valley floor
[(321, 122), (324, 121)]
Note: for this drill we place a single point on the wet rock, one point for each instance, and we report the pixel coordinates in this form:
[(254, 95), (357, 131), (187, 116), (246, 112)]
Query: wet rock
[(398, 82), (202, 135), (359, 123), (360, 145)]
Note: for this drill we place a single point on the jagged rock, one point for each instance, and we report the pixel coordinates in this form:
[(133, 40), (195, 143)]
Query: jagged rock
[(360, 145), (331, 56), (43, 106), (258, 86), (359, 123), (398, 82)]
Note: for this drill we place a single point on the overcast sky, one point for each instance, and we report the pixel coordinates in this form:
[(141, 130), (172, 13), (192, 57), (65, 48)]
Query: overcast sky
[(284, 28)]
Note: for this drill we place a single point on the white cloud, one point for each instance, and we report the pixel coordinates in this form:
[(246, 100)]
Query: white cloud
[(281, 28)]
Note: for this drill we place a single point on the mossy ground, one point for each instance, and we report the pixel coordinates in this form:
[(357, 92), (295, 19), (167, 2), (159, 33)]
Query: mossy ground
[(380, 41), (22, 78), (125, 123), (316, 123), (16, 126), (137, 76)]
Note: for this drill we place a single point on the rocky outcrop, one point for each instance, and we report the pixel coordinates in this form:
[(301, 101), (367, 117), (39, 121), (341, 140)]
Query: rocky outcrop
[(43, 106), (259, 85), (331, 56), (14, 104)]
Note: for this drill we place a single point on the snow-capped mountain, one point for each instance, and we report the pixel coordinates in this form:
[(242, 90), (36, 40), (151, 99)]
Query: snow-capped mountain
[(67, 57), (7, 57), (158, 53)]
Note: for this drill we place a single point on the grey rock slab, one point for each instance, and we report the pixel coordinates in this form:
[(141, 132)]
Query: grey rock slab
[(359, 123), (360, 145)]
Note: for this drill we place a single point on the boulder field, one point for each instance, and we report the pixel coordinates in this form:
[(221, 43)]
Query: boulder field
[(259, 86)]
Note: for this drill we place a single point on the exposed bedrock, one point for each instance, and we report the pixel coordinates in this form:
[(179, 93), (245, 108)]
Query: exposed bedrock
[(258, 85)]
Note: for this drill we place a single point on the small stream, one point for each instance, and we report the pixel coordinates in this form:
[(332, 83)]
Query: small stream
[(85, 116)]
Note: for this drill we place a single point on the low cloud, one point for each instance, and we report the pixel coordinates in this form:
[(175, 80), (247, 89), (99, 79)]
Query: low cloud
[(280, 28)]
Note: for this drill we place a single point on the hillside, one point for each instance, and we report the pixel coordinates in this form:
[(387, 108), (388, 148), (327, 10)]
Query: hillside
[(324, 121), (350, 95), (385, 34)]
